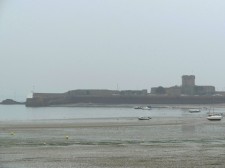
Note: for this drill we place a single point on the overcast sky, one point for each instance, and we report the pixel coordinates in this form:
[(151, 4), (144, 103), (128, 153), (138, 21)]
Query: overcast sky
[(60, 45)]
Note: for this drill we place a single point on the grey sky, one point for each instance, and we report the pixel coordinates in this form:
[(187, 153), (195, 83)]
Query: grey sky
[(56, 46)]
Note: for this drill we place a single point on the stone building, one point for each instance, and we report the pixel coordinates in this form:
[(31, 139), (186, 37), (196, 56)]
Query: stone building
[(188, 87), (174, 91), (204, 90), (134, 92), (92, 92), (102, 92)]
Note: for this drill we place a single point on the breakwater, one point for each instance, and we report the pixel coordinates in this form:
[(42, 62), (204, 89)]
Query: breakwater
[(38, 101)]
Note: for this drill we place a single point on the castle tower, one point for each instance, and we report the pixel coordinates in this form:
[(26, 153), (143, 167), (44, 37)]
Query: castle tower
[(188, 84), (188, 81)]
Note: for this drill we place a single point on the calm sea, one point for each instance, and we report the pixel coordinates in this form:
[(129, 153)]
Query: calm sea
[(20, 112)]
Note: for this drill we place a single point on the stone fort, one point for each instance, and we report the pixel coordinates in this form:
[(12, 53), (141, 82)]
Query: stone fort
[(188, 87)]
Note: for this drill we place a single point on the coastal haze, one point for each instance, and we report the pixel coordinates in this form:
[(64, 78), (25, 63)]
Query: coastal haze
[(56, 46), (88, 68)]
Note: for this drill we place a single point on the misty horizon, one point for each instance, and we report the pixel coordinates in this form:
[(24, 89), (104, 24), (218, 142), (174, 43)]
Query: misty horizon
[(56, 46)]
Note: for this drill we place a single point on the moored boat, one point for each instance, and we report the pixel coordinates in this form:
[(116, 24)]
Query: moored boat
[(144, 118), (194, 110), (214, 117), (147, 108), (137, 107)]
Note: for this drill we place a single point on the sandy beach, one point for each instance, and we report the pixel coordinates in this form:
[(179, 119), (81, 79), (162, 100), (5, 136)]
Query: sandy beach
[(122, 142)]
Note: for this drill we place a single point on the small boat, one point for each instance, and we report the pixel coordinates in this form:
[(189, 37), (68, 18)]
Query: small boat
[(214, 117), (137, 107), (144, 118), (194, 110), (147, 108)]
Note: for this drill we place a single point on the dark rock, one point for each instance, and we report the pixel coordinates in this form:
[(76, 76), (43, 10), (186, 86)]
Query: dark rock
[(10, 102)]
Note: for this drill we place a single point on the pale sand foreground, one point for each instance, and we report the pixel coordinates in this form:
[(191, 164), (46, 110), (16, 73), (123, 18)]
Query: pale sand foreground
[(160, 142)]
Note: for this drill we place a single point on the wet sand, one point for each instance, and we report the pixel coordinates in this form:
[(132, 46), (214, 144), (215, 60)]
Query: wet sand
[(122, 142)]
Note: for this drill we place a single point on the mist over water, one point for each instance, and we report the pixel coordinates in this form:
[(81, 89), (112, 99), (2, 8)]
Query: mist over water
[(54, 46), (20, 112)]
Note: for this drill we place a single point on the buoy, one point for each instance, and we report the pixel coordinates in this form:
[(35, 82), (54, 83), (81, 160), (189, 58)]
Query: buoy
[(67, 137)]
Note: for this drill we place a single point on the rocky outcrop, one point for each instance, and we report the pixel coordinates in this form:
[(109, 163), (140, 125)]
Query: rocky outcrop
[(10, 102)]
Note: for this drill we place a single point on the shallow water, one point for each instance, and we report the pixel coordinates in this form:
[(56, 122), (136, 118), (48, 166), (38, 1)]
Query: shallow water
[(109, 137), (20, 112)]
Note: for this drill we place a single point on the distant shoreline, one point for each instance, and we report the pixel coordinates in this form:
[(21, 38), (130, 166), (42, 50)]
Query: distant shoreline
[(182, 106), (45, 99)]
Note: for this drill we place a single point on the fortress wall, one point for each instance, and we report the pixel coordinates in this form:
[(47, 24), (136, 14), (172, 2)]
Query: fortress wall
[(32, 102), (48, 95), (92, 92)]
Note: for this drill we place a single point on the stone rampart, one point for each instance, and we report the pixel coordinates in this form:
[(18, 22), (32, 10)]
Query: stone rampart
[(120, 99)]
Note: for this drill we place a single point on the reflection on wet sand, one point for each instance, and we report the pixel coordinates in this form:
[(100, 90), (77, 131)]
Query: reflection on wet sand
[(127, 142)]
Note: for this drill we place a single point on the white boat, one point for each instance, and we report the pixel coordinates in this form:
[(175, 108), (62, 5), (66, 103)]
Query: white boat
[(147, 108), (214, 117), (194, 110), (144, 118), (137, 107)]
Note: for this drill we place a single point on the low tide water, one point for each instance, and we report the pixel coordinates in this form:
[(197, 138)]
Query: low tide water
[(109, 137), (20, 112), (167, 124)]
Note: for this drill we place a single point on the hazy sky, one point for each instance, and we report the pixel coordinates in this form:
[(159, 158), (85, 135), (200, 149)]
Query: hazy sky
[(60, 45)]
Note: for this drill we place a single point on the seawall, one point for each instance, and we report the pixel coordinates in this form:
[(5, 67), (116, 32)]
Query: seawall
[(118, 99)]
